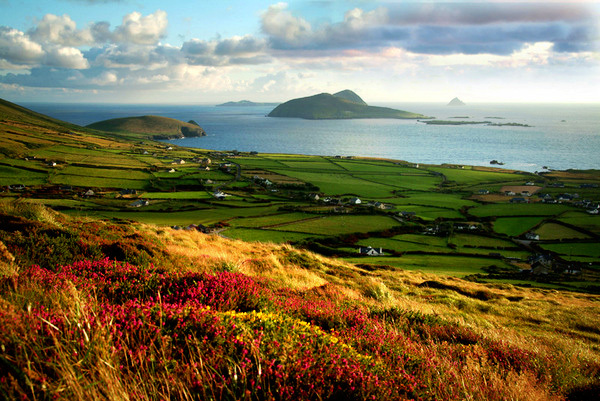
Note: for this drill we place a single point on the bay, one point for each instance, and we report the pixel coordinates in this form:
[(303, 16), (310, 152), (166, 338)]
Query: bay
[(559, 137)]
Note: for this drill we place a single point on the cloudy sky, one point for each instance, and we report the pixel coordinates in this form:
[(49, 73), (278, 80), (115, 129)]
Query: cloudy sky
[(201, 51)]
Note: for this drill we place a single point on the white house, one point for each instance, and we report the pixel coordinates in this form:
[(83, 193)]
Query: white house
[(370, 251)]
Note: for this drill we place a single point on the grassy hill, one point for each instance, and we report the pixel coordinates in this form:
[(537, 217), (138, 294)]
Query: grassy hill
[(155, 127), (327, 106), (113, 309)]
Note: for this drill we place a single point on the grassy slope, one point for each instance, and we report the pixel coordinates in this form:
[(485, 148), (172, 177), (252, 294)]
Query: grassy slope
[(197, 316), (326, 106)]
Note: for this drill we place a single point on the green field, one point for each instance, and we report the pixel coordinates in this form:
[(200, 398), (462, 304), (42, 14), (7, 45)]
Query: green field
[(287, 210), (518, 209), (336, 225), (515, 226), (447, 265)]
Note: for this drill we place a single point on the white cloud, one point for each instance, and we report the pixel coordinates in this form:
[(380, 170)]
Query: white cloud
[(280, 24), (17, 48), (141, 30), (65, 57), (60, 30)]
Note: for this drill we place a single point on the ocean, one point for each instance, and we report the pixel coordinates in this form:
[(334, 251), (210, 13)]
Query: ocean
[(559, 137)]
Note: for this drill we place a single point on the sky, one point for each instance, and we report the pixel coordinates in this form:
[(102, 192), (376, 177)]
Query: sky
[(208, 52)]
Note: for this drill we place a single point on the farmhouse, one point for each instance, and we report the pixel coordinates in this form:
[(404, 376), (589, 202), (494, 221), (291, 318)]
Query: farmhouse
[(139, 203), (355, 201), (519, 200), (178, 161), (532, 236), (370, 251)]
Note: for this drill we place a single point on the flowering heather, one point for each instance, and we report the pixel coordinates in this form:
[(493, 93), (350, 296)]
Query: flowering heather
[(98, 328)]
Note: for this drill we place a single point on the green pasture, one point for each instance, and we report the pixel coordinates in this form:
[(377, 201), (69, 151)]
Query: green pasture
[(319, 165), (404, 246), (258, 163), (518, 209), (462, 239), (458, 266), (340, 184), (553, 231), (376, 166), (468, 176), (271, 220), (337, 225), (175, 217), (515, 226), (429, 212), (188, 195), (12, 176), (405, 182), (129, 174), (575, 249), (97, 182), (249, 234), (583, 220), (435, 199)]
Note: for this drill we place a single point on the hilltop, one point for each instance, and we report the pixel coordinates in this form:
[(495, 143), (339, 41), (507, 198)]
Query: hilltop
[(243, 103), (456, 102), (155, 127), (342, 105)]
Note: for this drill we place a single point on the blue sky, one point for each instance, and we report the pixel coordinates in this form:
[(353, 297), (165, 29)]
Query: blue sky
[(135, 51)]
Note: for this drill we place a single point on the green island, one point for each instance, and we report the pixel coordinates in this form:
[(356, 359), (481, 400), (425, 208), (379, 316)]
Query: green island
[(131, 268), (153, 127), (342, 105)]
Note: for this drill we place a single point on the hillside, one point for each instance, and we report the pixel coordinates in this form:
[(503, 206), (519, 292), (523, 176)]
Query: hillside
[(326, 106), (179, 314), (96, 304), (155, 127)]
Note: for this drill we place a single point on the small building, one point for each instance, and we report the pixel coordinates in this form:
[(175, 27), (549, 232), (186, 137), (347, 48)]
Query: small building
[(89, 192), (370, 251), (178, 161), (483, 192), (139, 203), (355, 201), (532, 236), (519, 200), (206, 161), (128, 192), (314, 197), (219, 195)]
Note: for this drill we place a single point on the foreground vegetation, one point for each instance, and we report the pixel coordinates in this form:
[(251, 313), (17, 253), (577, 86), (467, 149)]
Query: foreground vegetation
[(108, 310)]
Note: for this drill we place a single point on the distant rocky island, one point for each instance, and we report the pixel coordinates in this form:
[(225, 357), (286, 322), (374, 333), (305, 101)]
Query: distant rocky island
[(456, 102), (341, 105), (244, 103), (154, 127), (488, 123)]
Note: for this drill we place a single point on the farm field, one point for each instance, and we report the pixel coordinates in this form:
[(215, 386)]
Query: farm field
[(332, 204)]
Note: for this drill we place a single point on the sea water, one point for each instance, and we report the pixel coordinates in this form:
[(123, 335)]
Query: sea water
[(558, 137)]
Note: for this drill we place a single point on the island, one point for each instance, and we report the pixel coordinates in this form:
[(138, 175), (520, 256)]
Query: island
[(456, 102), (245, 103), (488, 123), (342, 105), (153, 127)]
